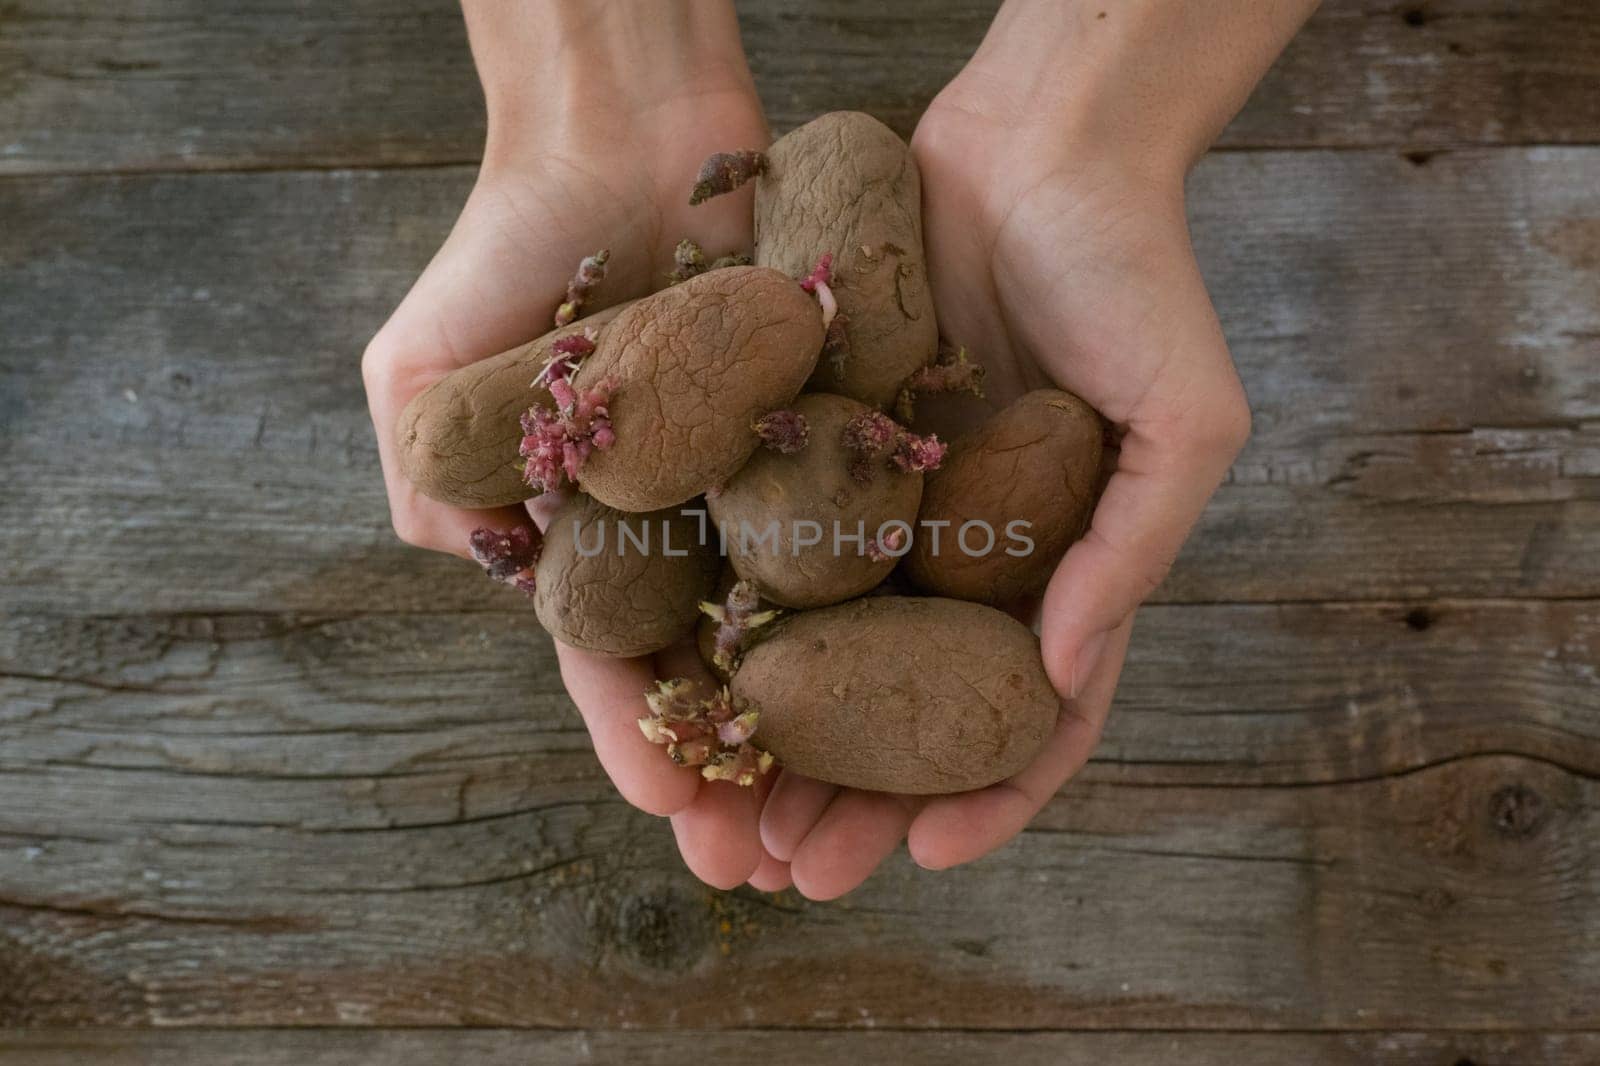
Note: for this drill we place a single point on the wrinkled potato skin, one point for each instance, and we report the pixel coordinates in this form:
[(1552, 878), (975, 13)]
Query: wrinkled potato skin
[(845, 183), (625, 605), (1037, 460), (458, 437), (814, 485), (910, 695), (693, 367)]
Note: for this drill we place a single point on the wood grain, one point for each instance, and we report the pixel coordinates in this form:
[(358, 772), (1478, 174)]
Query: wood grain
[(260, 765), (1325, 817), (281, 1047), (193, 84), (1418, 342), (1461, 895), (1292, 694)]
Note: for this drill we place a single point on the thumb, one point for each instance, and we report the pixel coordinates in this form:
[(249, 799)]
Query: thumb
[(1167, 470)]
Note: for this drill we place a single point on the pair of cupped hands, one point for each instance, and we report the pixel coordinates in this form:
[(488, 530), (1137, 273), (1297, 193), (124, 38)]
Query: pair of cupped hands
[(1054, 259)]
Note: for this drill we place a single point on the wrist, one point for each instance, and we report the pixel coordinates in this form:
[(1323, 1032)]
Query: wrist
[(1146, 85), (551, 69)]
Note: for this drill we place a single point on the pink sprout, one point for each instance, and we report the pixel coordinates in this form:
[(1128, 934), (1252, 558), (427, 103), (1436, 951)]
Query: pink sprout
[(871, 431), (951, 371), (712, 732), (505, 556), (590, 270), (817, 281), (567, 353), (882, 549), (737, 617), (873, 436), (919, 454), (575, 346), (557, 441), (725, 172), (785, 432), (741, 766)]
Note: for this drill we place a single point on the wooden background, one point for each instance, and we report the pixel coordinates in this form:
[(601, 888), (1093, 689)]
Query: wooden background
[(262, 767)]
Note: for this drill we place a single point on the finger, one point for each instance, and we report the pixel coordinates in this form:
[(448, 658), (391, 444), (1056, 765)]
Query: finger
[(791, 810), (609, 694), (683, 660), (856, 833), (771, 876), (718, 834), (543, 507), (426, 523), (951, 830), (1168, 467)]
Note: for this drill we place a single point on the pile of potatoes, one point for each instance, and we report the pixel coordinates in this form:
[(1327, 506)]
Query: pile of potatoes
[(755, 395)]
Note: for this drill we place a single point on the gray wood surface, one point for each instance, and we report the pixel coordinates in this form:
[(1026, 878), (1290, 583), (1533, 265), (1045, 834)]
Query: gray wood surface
[(261, 766), (197, 84), (1322, 816), (279, 1047)]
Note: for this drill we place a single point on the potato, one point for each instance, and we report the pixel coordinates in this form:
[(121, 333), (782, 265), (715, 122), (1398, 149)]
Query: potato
[(811, 495), (1035, 462), (458, 437), (692, 368), (598, 590), (911, 695), (846, 184)]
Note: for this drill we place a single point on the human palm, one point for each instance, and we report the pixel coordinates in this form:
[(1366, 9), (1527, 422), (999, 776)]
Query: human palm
[(602, 176), (1081, 277)]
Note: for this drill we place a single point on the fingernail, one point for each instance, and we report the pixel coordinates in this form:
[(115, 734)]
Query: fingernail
[(1083, 664)]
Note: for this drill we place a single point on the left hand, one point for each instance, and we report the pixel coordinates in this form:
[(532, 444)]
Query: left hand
[(1058, 259)]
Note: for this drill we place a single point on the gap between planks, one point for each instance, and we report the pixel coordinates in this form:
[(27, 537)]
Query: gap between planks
[(1417, 155)]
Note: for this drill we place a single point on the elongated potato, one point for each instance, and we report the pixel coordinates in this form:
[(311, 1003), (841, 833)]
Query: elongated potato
[(1029, 475), (912, 695), (458, 437), (845, 184), (800, 526), (618, 583), (691, 368)]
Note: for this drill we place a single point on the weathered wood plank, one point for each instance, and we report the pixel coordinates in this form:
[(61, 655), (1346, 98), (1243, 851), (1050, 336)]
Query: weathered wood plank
[(470, 703), (178, 382), (1463, 895), (1302, 818), (177, 84), (518, 1047)]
